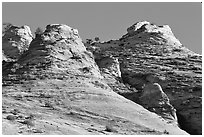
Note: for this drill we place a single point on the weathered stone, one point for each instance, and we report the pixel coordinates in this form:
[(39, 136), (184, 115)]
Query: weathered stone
[(58, 82), (16, 41), (110, 66), (154, 99), (151, 53), (60, 49)]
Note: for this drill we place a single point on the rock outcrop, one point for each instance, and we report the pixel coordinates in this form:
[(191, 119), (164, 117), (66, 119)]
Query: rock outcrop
[(151, 53), (154, 99), (58, 49), (55, 87), (155, 34), (110, 65), (16, 41)]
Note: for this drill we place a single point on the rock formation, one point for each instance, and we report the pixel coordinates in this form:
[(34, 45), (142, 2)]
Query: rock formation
[(16, 41), (151, 53), (154, 99), (59, 49), (144, 29), (55, 87), (110, 65)]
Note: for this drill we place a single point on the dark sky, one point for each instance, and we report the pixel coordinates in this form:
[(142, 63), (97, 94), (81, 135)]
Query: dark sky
[(110, 20)]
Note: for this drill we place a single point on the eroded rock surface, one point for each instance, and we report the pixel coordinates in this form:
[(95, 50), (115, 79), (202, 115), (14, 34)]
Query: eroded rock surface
[(154, 99), (58, 50), (155, 34), (152, 53), (55, 87), (16, 41)]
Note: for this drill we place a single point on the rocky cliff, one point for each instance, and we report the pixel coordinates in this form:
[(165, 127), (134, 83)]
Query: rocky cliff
[(150, 54), (56, 86)]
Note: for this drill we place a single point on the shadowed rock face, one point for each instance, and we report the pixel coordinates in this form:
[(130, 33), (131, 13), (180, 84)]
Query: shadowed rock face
[(55, 87), (16, 41), (154, 99), (151, 53), (110, 65)]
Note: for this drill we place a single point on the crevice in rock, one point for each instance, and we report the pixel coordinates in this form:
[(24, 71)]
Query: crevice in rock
[(185, 125)]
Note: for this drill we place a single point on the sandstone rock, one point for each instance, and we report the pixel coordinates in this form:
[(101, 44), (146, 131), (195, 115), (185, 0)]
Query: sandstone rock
[(136, 26), (110, 65), (4, 57), (57, 71), (154, 99), (16, 41), (150, 49), (110, 69), (58, 49), (146, 32), (60, 31)]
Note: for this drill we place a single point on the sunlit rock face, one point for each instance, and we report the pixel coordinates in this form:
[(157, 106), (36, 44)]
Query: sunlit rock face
[(164, 33), (151, 53), (56, 87), (58, 49)]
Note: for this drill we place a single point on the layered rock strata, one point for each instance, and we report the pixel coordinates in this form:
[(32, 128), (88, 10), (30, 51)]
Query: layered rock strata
[(55, 87), (152, 53)]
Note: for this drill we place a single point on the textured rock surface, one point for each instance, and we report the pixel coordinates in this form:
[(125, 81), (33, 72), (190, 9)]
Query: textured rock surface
[(163, 33), (59, 49), (16, 41), (154, 99), (150, 53), (110, 65), (55, 87)]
